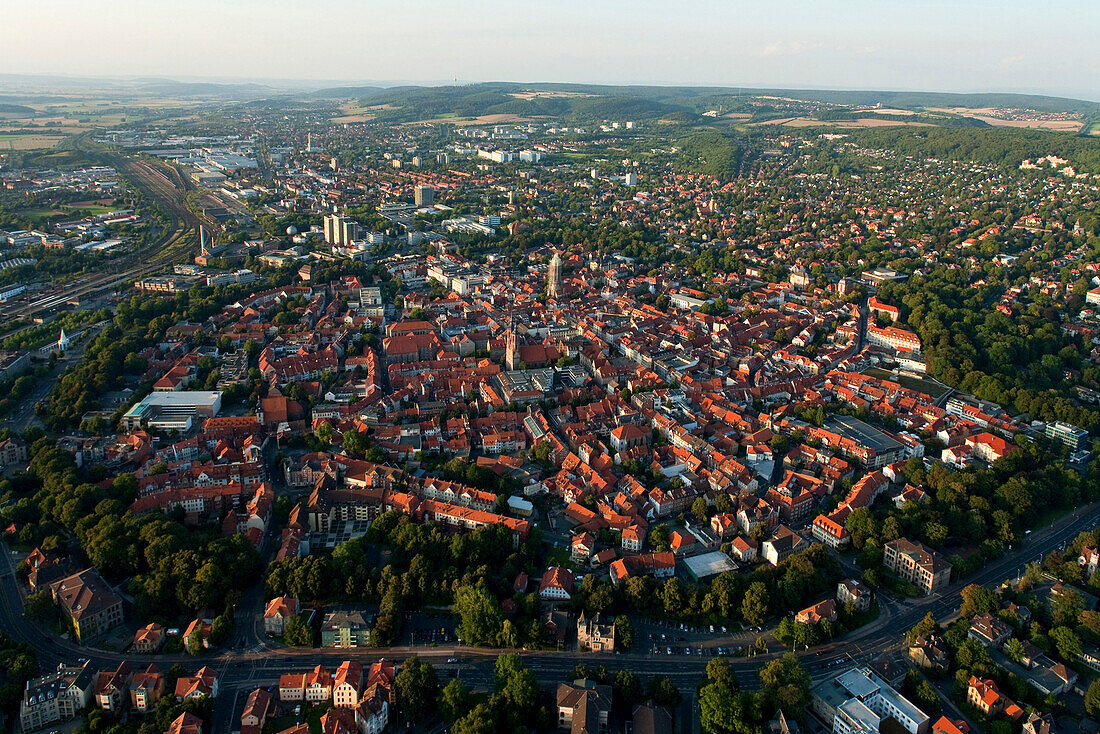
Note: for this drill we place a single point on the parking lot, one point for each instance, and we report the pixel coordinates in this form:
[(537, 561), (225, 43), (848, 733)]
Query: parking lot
[(668, 638), (430, 629)]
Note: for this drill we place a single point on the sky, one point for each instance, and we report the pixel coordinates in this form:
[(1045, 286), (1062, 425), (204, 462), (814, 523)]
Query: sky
[(1035, 46)]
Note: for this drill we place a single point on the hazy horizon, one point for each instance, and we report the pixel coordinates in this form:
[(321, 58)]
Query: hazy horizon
[(1009, 46)]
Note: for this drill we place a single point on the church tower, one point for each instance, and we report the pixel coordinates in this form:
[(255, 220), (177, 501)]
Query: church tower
[(511, 348), (553, 279)]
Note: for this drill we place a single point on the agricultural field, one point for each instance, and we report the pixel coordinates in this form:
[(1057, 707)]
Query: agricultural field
[(26, 141), (1017, 118), (857, 124), (353, 112)]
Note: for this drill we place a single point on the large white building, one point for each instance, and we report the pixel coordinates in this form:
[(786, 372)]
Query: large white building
[(891, 336), (858, 701), (173, 409), (496, 156)]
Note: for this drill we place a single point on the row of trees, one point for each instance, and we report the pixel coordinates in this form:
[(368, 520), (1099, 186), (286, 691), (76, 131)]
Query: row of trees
[(514, 702)]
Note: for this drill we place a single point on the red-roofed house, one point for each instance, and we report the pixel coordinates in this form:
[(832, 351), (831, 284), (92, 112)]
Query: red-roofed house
[(278, 612), (822, 610), (557, 584), (989, 447), (945, 725)]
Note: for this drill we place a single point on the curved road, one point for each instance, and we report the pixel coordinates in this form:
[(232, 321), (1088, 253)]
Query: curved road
[(253, 663)]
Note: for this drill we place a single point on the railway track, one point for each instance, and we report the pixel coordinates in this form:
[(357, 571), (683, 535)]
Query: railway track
[(178, 243)]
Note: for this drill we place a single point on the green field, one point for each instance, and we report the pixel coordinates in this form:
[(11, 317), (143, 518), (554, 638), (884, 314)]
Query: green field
[(94, 209), (929, 387), (39, 215)]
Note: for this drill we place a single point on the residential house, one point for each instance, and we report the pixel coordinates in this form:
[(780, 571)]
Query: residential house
[(373, 710), (660, 565), (649, 718), (945, 725), (112, 689), (46, 567), (277, 613), (319, 682), (347, 683), (257, 707), (582, 546), (292, 687), (204, 683), (929, 652), (783, 544), (339, 721), (987, 698), (744, 549), (59, 696), (631, 538), (149, 638), (146, 688), (988, 630), (813, 615), (185, 723), (556, 584), (344, 629), (556, 624), (200, 629), (1037, 723), (1089, 560), (372, 713), (856, 593)]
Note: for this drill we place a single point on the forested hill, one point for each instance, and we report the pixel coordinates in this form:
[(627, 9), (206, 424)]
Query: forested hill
[(995, 146), (582, 102)]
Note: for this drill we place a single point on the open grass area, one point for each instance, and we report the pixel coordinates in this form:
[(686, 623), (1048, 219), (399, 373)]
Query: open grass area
[(94, 209), (929, 387), (39, 215)]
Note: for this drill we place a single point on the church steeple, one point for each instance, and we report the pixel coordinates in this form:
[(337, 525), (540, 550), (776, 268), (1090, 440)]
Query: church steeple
[(511, 347), (553, 279)]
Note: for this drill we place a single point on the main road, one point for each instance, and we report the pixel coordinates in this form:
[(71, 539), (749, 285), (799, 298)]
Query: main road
[(241, 670)]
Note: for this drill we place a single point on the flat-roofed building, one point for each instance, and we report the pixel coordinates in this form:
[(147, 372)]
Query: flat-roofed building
[(1070, 435), (858, 702), (178, 409)]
